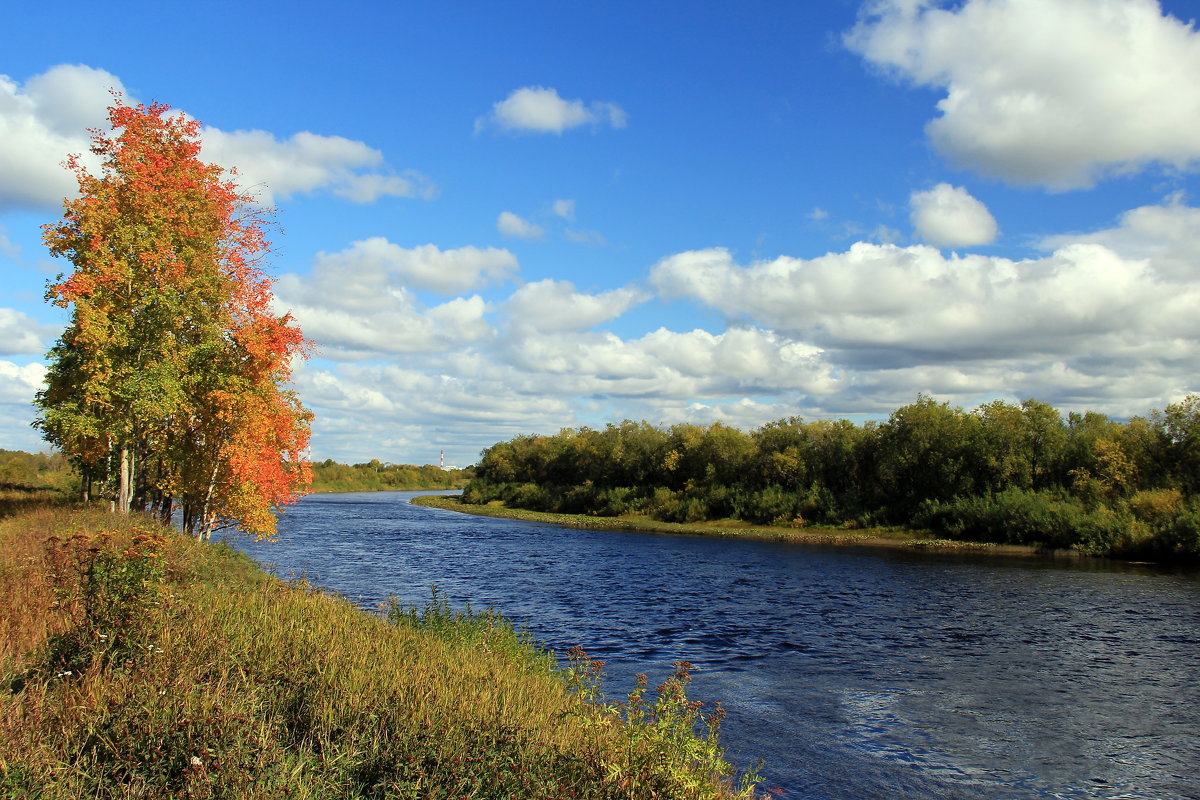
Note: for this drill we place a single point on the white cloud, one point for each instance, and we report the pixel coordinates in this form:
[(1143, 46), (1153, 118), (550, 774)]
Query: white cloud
[(19, 384), (551, 305), (21, 334), (396, 324), (883, 305), (371, 266), (408, 415), (564, 209), (666, 365), (539, 109), (1057, 93), (948, 216), (44, 121), (359, 303), (306, 162), (1168, 235), (509, 224)]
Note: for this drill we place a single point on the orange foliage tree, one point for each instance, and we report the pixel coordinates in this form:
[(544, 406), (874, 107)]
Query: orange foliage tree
[(169, 385)]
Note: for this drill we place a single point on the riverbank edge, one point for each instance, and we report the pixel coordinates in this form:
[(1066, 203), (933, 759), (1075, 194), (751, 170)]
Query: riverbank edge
[(871, 538), (220, 675)]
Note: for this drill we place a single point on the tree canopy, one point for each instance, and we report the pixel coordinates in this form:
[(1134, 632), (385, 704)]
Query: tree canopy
[(169, 385), (1001, 473)]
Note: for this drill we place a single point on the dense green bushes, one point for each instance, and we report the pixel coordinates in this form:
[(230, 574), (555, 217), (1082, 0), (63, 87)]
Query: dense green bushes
[(1002, 473)]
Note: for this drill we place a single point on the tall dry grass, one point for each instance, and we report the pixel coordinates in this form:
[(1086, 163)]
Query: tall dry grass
[(138, 664)]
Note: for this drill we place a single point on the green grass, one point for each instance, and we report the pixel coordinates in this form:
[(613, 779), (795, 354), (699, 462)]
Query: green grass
[(139, 664), (730, 529)]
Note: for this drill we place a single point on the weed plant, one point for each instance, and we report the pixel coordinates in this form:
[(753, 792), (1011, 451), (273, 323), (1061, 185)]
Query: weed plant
[(137, 663)]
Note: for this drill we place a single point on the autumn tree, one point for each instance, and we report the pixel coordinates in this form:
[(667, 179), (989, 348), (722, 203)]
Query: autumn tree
[(168, 387)]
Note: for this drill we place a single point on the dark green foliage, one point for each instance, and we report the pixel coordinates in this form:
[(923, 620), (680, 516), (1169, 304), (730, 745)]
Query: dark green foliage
[(1002, 473), (1180, 534), (1018, 516)]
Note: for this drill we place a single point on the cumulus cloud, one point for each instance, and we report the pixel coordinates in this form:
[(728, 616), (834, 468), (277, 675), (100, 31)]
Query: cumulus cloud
[(884, 305), (667, 365), (1102, 320), (509, 224), (1057, 93), (538, 109), (1167, 235), (359, 303), (395, 324), (371, 266), (46, 119), (306, 162), (461, 405), (948, 216), (43, 122), (550, 306), (19, 384), (21, 334)]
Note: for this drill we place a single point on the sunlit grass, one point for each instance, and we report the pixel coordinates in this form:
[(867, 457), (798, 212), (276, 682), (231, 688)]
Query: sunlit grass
[(18, 499), (137, 663)]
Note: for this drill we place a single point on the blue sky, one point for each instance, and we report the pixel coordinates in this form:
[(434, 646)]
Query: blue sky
[(511, 218)]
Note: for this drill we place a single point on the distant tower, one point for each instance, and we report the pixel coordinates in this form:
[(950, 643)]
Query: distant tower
[(442, 459)]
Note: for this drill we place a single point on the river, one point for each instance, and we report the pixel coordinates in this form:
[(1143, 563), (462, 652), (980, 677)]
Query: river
[(853, 673)]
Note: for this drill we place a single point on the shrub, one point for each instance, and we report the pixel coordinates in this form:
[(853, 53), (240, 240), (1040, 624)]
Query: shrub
[(1022, 516), (112, 581), (617, 501), (770, 504), (1180, 535)]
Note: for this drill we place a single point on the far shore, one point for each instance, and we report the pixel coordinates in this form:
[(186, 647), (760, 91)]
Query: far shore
[(372, 489), (889, 538)]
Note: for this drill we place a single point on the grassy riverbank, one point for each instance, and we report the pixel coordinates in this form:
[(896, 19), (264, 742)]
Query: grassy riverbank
[(734, 529), (137, 663)]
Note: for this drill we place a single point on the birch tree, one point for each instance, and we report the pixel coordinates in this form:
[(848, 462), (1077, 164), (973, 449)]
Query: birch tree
[(169, 385)]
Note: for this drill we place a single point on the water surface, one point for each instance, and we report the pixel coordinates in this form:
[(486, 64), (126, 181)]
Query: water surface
[(853, 673)]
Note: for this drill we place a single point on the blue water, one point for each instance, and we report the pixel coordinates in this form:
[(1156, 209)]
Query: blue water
[(853, 673)]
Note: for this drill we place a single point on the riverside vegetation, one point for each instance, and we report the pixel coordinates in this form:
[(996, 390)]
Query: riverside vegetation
[(1003, 473), (137, 662), (374, 476)]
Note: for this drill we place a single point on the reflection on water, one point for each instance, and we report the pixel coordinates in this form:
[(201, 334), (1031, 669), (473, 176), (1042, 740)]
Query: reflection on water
[(855, 674)]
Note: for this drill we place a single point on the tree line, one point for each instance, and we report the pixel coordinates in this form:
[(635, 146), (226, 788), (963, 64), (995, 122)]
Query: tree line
[(29, 471), (375, 476), (1021, 474)]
